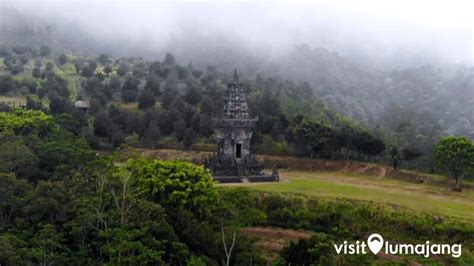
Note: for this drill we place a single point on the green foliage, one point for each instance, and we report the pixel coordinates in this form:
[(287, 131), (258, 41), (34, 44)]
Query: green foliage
[(318, 250), (130, 89), (15, 154), (62, 58), (189, 138), (21, 120), (34, 145), (455, 155), (152, 135), (62, 152), (270, 146), (12, 198), (132, 140), (175, 184), (7, 84), (334, 221), (146, 99), (45, 51)]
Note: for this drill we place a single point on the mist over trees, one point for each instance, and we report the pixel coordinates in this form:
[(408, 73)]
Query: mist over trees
[(410, 97), (87, 92)]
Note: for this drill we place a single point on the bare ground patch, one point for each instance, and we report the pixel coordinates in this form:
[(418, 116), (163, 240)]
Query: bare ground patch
[(272, 240)]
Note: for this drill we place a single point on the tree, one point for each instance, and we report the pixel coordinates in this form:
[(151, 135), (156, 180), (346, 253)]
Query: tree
[(87, 71), (15, 69), (33, 105), (313, 251), (208, 106), (24, 59), (139, 70), (108, 69), (175, 184), (152, 135), (103, 126), (395, 157), (62, 152), (153, 83), (7, 84), (13, 191), (16, 156), (49, 66), (165, 122), (38, 62), (146, 99), (104, 59), (122, 69), (169, 59), (228, 251), (316, 137), (130, 89), (206, 125), (56, 84), (45, 50), (50, 202), (368, 145), (168, 96), (193, 95), (36, 72), (62, 58), (59, 104), (47, 247), (78, 65), (411, 153), (189, 137), (179, 129), (114, 84), (455, 154)]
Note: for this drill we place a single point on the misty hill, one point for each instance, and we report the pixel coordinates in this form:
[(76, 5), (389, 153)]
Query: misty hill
[(409, 104)]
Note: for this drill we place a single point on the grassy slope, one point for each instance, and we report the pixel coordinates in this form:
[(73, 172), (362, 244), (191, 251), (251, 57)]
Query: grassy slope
[(68, 72), (417, 197), (431, 197)]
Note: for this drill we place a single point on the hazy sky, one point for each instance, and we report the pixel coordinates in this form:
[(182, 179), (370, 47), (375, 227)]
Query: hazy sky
[(442, 29)]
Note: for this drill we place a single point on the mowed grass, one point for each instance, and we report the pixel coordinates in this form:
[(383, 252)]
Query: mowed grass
[(415, 197)]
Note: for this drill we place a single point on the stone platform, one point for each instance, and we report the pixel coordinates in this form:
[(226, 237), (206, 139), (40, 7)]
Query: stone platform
[(247, 179)]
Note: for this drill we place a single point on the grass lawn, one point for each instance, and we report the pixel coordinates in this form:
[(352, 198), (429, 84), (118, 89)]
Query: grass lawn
[(68, 72), (416, 197)]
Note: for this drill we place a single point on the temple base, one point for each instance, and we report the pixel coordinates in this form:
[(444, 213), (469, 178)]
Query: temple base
[(230, 170), (251, 179)]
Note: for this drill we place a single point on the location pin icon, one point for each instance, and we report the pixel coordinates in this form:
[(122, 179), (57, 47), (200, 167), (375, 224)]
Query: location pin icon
[(375, 243)]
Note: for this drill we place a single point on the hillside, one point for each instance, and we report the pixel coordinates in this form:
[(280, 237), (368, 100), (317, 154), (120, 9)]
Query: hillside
[(239, 133), (372, 189), (163, 103), (353, 180)]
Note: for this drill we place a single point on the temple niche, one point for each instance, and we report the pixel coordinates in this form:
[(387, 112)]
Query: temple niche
[(234, 161)]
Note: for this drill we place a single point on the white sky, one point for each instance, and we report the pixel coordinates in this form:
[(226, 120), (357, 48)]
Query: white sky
[(443, 28)]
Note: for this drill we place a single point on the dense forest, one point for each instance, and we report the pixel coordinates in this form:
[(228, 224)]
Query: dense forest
[(64, 203), (75, 111), (164, 103), (407, 106)]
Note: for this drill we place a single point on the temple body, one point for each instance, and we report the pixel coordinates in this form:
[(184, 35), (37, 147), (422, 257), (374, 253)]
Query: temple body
[(234, 130)]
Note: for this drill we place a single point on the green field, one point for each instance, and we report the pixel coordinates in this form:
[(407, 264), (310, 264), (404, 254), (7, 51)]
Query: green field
[(433, 199)]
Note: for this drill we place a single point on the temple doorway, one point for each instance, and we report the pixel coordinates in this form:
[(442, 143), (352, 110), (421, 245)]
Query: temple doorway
[(238, 150)]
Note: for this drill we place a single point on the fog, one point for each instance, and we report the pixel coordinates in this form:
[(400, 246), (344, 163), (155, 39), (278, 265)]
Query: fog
[(432, 30)]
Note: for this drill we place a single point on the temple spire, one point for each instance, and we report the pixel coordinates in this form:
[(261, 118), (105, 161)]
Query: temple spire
[(236, 77)]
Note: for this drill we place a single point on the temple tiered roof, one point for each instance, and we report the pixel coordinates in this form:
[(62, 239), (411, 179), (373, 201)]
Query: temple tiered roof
[(236, 104)]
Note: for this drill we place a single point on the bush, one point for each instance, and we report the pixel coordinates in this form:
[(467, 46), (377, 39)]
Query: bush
[(269, 146)]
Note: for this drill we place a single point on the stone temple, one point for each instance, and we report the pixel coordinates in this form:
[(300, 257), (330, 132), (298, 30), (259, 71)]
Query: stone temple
[(234, 161)]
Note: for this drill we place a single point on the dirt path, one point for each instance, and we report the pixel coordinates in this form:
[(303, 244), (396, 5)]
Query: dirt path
[(383, 172), (272, 239)]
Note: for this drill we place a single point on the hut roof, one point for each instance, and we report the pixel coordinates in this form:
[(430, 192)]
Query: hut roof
[(82, 104)]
